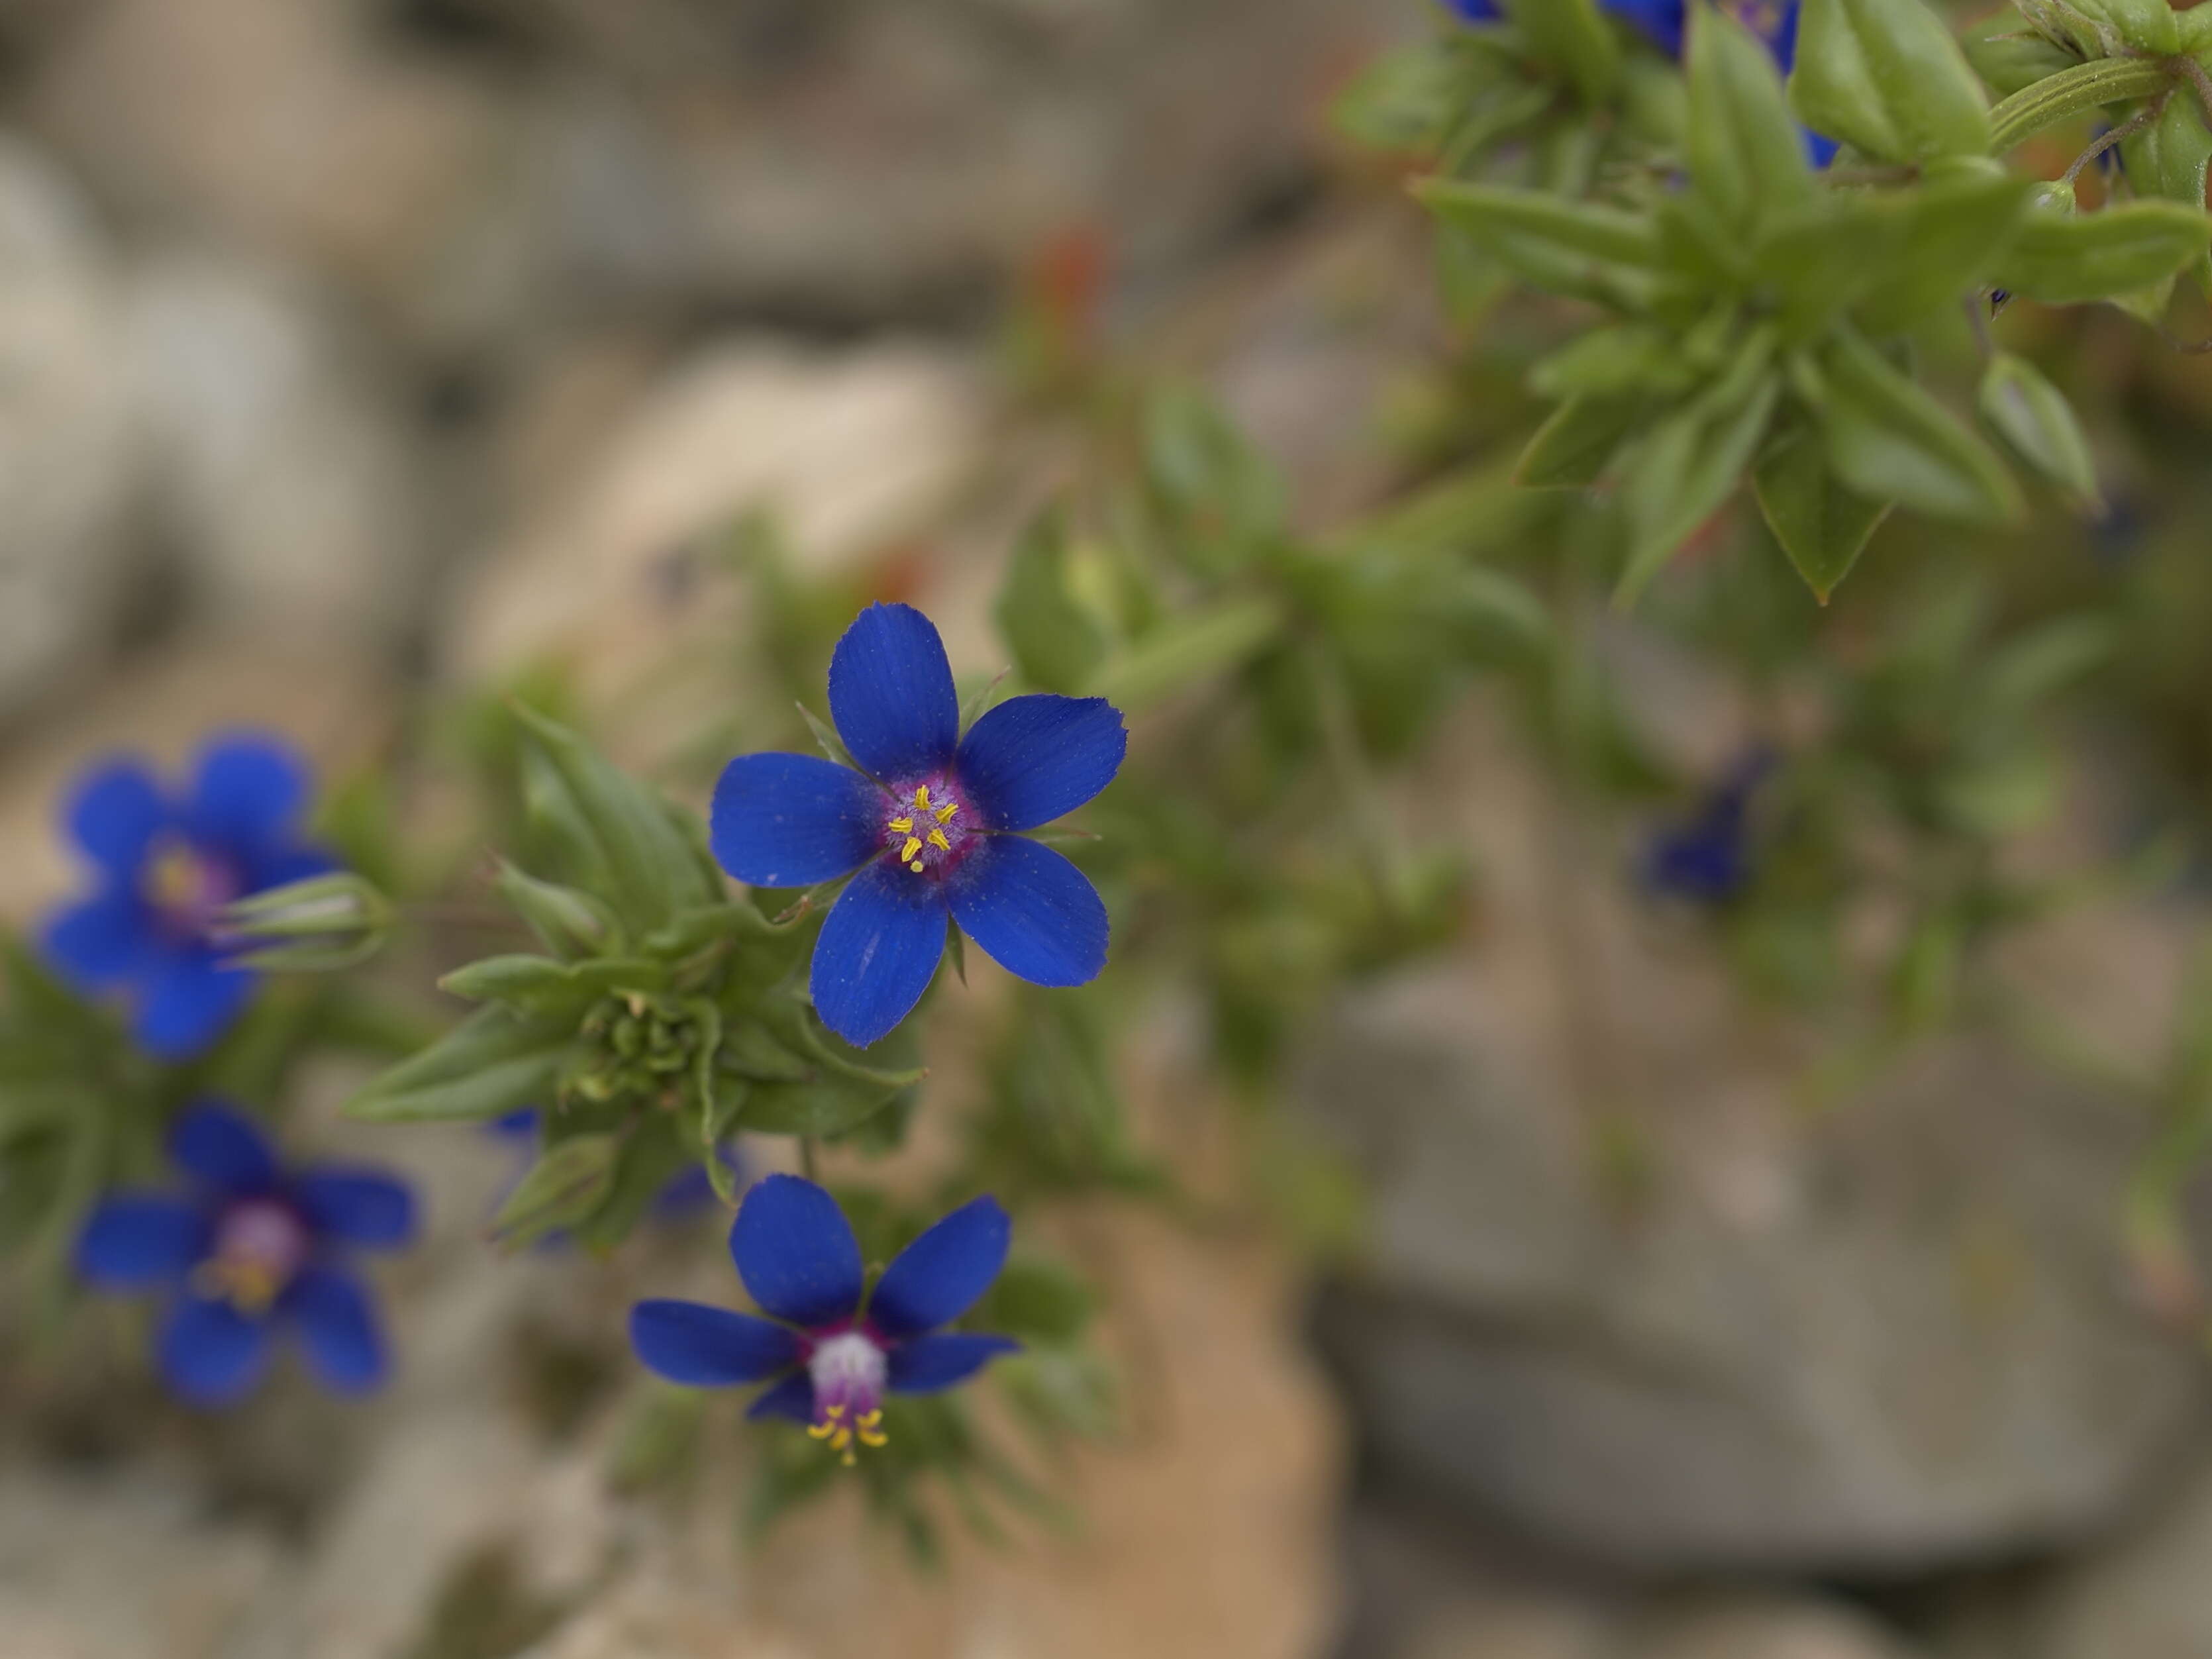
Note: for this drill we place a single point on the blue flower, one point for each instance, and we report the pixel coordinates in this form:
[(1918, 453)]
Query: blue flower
[(689, 1193), (1476, 11), (1708, 858), (833, 1347), (249, 1250), (930, 824), (165, 866)]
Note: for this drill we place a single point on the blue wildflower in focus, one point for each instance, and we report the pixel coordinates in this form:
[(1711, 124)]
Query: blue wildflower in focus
[(1708, 858), (930, 824), (682, 1196), (165, 866), (835, 1346), (249, 1250)]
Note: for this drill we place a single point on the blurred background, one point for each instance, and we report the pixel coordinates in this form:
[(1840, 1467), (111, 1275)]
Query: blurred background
[(353, 351)]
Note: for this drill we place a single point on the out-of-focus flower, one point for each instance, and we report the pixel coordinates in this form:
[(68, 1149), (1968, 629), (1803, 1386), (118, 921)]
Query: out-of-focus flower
[(167, 865), (1709, 858), (833, 1347), (928, 826), (249, 1250)]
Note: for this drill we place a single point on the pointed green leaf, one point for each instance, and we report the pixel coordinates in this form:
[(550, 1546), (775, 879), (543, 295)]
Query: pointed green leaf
[(2034, 419), (570, 1179), (1746, 157), (571, 922), (1571, 449), (1889, 439), (1822, 523), (488, 1064), (1057, 644), (2066, 258), (1886, 76), (1571, 36)]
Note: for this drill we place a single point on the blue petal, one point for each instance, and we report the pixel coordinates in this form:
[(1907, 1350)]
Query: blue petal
[(338, 1325), (793, 820), (135, 1240), (794, 1398), (250, 790), (222, 1148), (211, 1353), (704, 1347), (116, 812), (1662, 20), (1476, 11), (942, 1273), (284, 862), (931, 1362), (365, 1208), (521, 1123), (189, 999), (99, 940), (796, 1252), (891, 696), (878, 951), (1033, 759), (1036, 915)]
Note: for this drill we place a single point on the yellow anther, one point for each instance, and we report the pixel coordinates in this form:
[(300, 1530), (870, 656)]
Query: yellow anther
[(248, 1286), (827, 1426), (912, 846), (945, 812), (904, 826), (870, 1429), (922, 796), (915, 867), (937, 840)]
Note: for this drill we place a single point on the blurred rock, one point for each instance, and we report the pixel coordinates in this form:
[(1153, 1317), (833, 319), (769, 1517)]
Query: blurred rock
[(67, 449), (122, 1567), (1628, 1294), (1505, 1626), (282, 474), (2146, 1595), (1769, 1628)]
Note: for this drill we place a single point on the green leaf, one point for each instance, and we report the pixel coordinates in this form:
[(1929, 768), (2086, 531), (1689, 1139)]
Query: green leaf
[(1886, 76), (1572, 449), (2033, 417), (1822, 523), (2147, 25), (1035, 1299), (1889, 439), (1195, 645), (539, 988), (2168, 159), (2009, 58), (1571, 36), (1057, 644), (839, 1091), (1947, 237), (488, 1064), (570, 1179), (649, 866), (1224, 500), (1573, 229), (2068, 259), (1615, 360), (2073, 92), (1746, 157), (572, 922)]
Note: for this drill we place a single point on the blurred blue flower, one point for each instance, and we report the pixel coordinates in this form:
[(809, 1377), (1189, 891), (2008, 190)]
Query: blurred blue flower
[(1708, 858), (837, 1346), (929, 823), (165, 864), (249, 1249), (1667, 23), (690, 1193)]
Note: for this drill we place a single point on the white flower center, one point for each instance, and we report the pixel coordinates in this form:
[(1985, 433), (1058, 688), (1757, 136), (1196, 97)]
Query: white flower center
[(849, 1372)]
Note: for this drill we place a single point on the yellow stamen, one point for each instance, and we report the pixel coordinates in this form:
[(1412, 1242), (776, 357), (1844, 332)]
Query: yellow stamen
[(922, 796), (912, 846), (915, 867), (945, 812), (828, 1425), (248, 1286), (870, 1429), (937, 840), (904, 826)]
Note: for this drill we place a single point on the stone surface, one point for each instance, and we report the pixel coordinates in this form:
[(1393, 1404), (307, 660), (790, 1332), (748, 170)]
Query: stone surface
[(68, 448), (281, 469), (1771, 1628), (119, 1567), (1876, 1338)]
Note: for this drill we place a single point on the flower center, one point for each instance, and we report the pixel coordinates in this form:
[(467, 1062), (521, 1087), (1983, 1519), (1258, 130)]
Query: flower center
[(188, 888), (260, 1245), (849, 1372), (926, 831)]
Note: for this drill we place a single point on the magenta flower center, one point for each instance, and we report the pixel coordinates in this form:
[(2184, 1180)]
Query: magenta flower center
[(848, 1371), (260, 1245), (188, 888), (929, 828)]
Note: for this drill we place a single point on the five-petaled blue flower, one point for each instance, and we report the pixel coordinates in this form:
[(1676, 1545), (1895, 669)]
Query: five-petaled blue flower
[(840, 1347), (166, 866), (251, 1249), (929, 822), (1666, 22), (1708, 858)]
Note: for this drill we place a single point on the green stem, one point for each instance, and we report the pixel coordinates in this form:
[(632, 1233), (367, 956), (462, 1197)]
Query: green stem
[(806, 1156), (2070, 92)]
